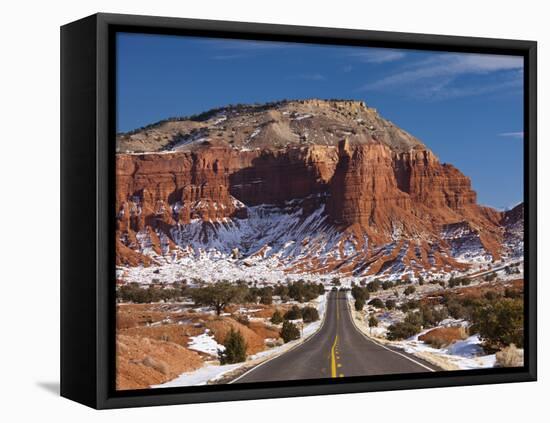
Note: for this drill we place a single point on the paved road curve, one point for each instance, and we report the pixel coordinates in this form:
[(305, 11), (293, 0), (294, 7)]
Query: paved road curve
[(338, 349)]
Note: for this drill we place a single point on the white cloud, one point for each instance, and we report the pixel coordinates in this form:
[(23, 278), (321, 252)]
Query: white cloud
[(379, 55), (309, 76), (436, 74), (518, 135)]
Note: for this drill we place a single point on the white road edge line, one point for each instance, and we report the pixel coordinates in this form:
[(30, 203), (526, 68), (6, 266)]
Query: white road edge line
[(383, 346), (284, 352)]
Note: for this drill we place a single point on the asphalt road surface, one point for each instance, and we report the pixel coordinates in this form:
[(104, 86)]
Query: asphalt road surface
[(338, 349)]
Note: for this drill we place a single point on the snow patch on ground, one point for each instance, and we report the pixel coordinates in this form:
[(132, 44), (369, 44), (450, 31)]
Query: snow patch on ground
[(467, 354), (205, 343), (209, 372)]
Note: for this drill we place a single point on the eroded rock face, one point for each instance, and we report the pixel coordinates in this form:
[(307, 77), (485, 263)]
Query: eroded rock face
[(366, 195), (177, 187), (276, 176), (420, 174), (364, 189)]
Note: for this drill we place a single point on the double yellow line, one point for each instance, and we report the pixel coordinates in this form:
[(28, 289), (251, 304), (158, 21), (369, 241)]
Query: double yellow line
[(333, 350)]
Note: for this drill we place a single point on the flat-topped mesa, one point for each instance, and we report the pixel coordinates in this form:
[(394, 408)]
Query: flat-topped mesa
[(351, 180), (272, 126)]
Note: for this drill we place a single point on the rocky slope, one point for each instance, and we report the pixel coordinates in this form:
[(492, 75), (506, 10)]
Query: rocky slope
[(310, 186)]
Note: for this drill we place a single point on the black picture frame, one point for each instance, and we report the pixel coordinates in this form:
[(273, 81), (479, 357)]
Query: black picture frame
[(87, 198)]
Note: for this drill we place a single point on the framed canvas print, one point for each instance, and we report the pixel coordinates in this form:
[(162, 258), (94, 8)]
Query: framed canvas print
[(254, 211)]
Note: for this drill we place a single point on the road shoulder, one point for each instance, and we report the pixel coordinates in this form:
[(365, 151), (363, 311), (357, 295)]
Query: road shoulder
[(424, 359)]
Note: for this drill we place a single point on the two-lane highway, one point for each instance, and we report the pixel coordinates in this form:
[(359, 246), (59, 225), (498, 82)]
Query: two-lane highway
[(338, 349)]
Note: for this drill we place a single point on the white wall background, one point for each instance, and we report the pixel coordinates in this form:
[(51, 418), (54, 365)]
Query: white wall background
[(29, 229)]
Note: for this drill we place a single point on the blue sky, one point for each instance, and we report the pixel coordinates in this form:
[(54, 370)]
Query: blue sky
[(467, 108)]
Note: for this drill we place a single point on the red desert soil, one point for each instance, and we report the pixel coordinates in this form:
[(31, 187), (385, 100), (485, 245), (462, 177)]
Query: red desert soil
[(220, 328), (439, 337), (264, 331), (142, 362), (176, 333)]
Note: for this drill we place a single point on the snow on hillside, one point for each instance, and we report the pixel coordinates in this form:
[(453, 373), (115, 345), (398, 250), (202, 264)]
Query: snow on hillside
[(271, 241)]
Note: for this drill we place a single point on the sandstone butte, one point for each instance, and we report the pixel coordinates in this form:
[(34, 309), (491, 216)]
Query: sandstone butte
[(377, 183)]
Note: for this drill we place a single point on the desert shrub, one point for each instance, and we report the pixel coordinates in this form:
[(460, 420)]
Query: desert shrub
[(415, 318), (376, 302), (499, 323), (302, 291), (404, 307), (387, 285), (136, 294), (409, 290), (359, 304), (235, 348), (277, 318), (251, 296), (402, 330), (266, 299), (293, 314), (420, 280), (289, 332), (358, 292), (409, 305), (511, 293), (320, 288), (453, 282), (491, 295), (310, 314), (281, 290), (219, 295), (390, 304), (510, 356), (336, 282), (456, 310), (374, 286), (432, 316), (373, 321)]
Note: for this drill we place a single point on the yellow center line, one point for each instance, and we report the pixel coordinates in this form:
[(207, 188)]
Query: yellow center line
[(333, 358)]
